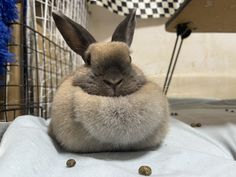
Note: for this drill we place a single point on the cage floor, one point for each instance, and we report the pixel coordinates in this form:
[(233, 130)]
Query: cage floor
[(27, 150)]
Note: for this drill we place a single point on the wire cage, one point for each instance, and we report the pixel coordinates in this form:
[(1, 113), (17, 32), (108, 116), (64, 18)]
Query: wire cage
[(42, 58)]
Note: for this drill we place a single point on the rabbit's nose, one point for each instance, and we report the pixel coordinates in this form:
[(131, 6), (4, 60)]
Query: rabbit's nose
[(112, 82)]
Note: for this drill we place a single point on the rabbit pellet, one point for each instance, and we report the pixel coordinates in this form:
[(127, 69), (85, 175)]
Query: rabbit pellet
[(145, 170), (196, 124), (174, 114), (70, 163)]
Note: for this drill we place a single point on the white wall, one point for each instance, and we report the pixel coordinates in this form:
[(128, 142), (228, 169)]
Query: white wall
[(207, 62)]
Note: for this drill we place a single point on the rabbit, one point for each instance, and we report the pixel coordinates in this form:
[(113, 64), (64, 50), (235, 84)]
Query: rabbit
[(107, 104)]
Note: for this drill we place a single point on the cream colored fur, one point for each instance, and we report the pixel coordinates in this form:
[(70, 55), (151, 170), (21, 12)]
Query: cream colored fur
[(89, 123), (107, 104)]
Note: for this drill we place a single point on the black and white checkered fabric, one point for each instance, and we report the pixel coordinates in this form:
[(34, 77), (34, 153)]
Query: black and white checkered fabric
[(145, 8)]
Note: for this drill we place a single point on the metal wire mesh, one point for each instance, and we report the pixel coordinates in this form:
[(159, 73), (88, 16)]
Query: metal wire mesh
[(42, 59)]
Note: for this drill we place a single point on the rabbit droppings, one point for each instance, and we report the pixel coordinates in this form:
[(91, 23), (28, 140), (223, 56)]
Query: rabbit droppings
[(107, 104)]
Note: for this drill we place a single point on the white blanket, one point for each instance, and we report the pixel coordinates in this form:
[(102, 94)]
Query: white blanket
[(27, 151)]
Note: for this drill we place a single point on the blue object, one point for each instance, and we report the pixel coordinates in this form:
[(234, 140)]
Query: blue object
[(8, 13)]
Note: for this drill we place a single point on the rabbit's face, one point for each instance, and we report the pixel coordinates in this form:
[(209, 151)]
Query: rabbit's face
[(110, 63), (109, 71)]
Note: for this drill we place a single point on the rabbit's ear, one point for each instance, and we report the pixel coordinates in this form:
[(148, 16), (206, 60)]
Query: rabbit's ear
[(125, 30), (76, 36)]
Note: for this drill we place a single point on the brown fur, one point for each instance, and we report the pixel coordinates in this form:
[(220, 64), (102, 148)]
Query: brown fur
[(107, 104), (89, 123), (109, 61)]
